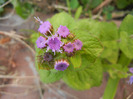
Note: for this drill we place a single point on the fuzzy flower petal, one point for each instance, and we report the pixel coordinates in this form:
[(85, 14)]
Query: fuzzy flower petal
[(63, 31), (54, 43), (77, 44), (45, 27), (131, 80), (68, 47), (61, 65), (131, 70), (41, 42)]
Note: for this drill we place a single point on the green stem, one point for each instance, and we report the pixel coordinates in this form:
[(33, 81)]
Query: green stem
[(112, 84), (68, 5), (111, 88)]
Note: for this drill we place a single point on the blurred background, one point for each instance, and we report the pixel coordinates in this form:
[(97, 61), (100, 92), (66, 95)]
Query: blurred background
[(18, 76)]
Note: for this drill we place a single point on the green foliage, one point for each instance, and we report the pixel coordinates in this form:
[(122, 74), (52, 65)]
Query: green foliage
[(85, 78), (94, 3), (126, 32), (76, 61), (116, 70), (91, 3), (127, 24), (91, 45), (107, 33), (62, 19), (49, 76), (74, 4), (107, 11), (84, 2), (123, 3), (23, 9), (111, 51), (78, 12), (126, 44)]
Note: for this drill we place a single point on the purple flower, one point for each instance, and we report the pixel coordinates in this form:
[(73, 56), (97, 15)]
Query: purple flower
[(48, 57), (41, 42), (131, 70), (68, 47), (131, 80), (54, 43), (77, 44), (61, 65), (63, 31), (44, 27)]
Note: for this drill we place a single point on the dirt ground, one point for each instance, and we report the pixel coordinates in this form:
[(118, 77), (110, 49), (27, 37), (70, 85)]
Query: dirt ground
[(18, 61)]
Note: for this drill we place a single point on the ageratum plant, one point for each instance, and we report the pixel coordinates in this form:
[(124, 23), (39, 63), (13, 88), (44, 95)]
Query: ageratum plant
[(64, 51), (80, 51)]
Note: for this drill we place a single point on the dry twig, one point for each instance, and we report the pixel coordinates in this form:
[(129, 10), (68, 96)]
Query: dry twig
[(17, 85), (19, 77), (6, 3), (129, 96), (106, 2), (17, 37), (60, 7)]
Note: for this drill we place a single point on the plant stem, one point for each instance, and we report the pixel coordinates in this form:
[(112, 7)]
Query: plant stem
[(68, 5), (111, 88), (112, 84)]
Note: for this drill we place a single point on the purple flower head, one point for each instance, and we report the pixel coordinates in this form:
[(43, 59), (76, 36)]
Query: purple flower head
[(54, 43), (41, 42), (45, 27), (68, 47), (63, 31), (61, 65), (48, 57), (131, 80), (131, 70), (77, 44)]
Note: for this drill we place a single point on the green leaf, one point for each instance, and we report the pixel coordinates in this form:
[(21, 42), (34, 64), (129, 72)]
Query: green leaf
[(111, 51), (126, 44), (94, 3), (127, 25), (117, 71), (76, 61), (78, 12), (84, 2), (108, 34), (85, 78), (62, 19), (123, 3), (49, 76), (103, 30), (23, 9), (91, 45), (74, 4), (108, 31), (126, 32)]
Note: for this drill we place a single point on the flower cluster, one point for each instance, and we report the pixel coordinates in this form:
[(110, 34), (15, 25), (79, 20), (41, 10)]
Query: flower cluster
[(53, 42), (131, 78)]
